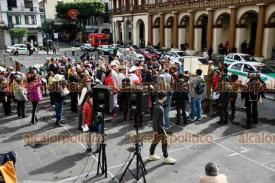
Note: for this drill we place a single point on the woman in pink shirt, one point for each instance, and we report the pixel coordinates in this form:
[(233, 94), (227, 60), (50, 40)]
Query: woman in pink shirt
[(34, 94)]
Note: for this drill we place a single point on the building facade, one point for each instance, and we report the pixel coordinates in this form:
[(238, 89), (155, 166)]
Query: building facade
[(20, 14), (200, 24)]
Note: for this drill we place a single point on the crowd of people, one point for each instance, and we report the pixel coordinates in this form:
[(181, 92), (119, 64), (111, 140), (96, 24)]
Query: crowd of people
[(164, 83)]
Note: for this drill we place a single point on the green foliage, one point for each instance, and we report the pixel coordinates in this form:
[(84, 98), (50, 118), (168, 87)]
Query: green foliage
[(86, 9), (18, 32)]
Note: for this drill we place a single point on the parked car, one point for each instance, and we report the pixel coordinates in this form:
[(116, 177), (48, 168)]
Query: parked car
[(148, 55), (22, 49), (242, 69), (176, 56), (106, 49), (114, 46), (129, 53), (238, 57), (87, 47)]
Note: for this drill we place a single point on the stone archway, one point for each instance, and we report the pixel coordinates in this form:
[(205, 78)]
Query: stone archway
[(140, 30), (129, 32), (221, 31), (247, 29), (156, 31), (201, 32), (118, 31), (169, 32), (184, 31)]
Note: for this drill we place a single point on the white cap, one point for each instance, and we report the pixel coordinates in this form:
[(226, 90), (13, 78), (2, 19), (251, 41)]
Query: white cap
[(133, 68)]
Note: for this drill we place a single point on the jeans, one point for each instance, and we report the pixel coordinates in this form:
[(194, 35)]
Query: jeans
[(166, 111), (34, 109), (21, 109), (58, 111), (160, 136), (196, 107)]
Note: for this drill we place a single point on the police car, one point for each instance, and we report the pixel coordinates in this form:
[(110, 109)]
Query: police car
[(242, 69), (238, 57)]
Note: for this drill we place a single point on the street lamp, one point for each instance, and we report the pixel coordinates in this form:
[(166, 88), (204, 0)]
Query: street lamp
[(46, 26)]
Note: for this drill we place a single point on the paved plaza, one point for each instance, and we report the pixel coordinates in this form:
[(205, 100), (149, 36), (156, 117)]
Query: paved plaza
[(67, 162)]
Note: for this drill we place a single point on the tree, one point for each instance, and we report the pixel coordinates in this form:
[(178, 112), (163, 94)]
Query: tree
[(18, 33), (85, 8), (48, 26)]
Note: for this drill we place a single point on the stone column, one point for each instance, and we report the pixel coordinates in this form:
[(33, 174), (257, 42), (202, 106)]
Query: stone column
[(210, 29), (161, 30), (175, 30), (119, 3), (191, 31), (150, 29), (260, 30), (232, 28)]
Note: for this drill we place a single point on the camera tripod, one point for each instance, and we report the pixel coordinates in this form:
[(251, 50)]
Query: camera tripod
[(102, 160), (140, 167)]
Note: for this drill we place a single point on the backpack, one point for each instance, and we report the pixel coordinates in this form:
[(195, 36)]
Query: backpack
[(200, 88)]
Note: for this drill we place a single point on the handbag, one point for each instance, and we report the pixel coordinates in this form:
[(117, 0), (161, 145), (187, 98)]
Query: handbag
[(65, 91)]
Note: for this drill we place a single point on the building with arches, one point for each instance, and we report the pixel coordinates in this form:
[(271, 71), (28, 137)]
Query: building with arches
[(197, 23)]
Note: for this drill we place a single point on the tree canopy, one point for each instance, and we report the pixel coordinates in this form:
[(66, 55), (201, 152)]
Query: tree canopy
[(86, 8), (18, 32)]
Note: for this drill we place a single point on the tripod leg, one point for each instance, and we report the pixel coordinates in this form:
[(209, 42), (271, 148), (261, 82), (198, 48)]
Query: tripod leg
[(122, 176), (138, 167), (105, 161), (99, 159), (142, 164)]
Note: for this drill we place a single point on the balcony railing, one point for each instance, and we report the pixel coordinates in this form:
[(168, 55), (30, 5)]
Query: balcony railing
[(129, 10), (183, 5), (22, 9)]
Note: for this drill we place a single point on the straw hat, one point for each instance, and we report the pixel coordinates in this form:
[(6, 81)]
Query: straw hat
[(58, 77)]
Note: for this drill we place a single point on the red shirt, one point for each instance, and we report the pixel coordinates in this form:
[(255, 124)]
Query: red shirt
[(88, 112), (216, 79), (109, 82)]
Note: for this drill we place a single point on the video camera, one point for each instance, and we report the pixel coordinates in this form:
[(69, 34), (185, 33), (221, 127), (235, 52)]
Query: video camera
[(102, 97)]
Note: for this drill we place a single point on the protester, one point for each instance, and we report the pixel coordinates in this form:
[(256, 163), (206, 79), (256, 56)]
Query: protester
[(209, 79), (88, 118), (5, 96), (234, 94), (58, 97), (224, 98), (73, 81), (34, 94), (251, 94), (197, 88), (181, 97), (20, 94), (212, 174)]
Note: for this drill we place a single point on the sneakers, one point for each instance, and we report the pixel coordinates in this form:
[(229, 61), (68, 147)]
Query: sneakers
[(153, 157), (169, 160)]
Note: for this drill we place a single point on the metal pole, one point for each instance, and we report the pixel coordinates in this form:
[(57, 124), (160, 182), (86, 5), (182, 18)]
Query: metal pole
[(46, 28)]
